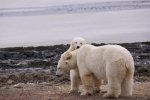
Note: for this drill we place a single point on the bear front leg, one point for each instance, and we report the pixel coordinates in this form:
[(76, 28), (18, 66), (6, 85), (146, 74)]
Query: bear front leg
[(97, 84), (87, 81), (75, 81)]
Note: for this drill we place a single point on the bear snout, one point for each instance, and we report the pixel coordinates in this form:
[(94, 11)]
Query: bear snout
[(57, 74), (78, 47)]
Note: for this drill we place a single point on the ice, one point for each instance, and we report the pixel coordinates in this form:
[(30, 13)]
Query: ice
[(24, 23)]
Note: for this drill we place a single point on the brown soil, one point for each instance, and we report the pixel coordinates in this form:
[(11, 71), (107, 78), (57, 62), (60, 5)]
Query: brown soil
[(60, 92)]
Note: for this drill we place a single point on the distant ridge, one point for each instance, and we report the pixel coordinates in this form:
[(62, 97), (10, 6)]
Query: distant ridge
[(76, 8)]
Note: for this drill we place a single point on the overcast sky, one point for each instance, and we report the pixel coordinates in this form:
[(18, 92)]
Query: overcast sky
[(34, 30)]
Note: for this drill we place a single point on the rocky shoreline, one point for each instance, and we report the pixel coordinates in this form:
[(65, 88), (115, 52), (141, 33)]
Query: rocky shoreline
[(38, 64)]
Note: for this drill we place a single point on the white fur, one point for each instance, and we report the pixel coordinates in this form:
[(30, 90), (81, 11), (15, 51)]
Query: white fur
[(76, 43), (111, 63)]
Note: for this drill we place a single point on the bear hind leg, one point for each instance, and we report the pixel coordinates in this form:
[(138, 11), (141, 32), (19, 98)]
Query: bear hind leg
[(127, 86), (114, 81), (114, 90)]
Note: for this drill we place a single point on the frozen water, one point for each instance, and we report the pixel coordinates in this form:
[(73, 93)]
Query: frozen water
[(47, 22)]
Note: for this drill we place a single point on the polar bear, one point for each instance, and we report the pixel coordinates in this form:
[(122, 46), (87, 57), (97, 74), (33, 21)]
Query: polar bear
[(74, 74), (111, 63), (76, 43)]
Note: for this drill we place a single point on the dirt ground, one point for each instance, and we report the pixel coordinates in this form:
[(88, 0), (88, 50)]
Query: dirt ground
[(61, 92)]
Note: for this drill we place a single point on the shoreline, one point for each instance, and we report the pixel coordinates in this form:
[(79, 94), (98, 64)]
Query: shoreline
[(57, 44), (38, 64)]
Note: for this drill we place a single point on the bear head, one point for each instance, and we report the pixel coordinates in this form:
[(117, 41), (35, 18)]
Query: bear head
[(77, 42), (66, 62)]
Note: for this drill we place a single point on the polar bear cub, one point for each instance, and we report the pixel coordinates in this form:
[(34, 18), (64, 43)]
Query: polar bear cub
[(76, 43), (111, 63)]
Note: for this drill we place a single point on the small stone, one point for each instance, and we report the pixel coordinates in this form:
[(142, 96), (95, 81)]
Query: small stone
[(31, 84), (5, 87), (9, 82), (45, 84), (19, 85)]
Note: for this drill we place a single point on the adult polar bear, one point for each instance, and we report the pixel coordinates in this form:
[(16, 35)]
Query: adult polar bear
[(111, 63)]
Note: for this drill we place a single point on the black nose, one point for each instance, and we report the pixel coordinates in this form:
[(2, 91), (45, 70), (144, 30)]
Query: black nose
[(78, 47), (57, 75)]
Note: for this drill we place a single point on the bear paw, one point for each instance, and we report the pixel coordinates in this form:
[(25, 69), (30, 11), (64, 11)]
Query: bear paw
[(86, 93), (73, 92), (110, 96), (95, 91)]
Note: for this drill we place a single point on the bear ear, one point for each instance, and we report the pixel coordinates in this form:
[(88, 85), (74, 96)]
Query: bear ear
[(69, 55), (72, 45)]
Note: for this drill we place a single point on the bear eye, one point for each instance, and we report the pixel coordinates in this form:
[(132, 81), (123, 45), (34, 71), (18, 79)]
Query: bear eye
[(66, 63), (75, 42), (81, 43), (59, 68)]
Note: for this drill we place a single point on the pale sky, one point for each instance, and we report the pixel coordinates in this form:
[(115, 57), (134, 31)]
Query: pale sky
[(107, 27)]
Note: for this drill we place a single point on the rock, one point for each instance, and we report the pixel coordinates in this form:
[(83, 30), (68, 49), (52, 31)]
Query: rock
[(10, 81), (5, 87), (23, 63), (31, 84), (4, 78), (45, 84), (143, 71), (31, 64), (13, 77), (19, 85)]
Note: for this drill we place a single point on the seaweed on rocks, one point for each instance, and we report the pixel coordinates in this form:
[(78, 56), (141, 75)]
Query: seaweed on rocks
[(38, 64)]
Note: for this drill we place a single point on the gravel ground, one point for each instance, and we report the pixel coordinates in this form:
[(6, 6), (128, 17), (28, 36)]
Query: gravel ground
[(29, 74), (60, 92)]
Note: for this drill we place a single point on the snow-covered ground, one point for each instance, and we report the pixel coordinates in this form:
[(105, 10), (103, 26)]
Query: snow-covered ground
[(48, 22)]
